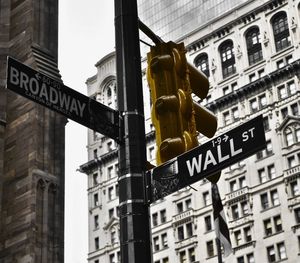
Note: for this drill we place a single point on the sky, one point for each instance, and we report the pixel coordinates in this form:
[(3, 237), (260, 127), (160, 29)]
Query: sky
[(86, 34)]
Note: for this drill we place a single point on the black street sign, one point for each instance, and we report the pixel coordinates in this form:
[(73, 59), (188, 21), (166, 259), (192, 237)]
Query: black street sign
[(52, 94), (207, 159)]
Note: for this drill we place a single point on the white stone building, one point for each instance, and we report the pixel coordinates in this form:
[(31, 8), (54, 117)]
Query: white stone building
[(251, 55)]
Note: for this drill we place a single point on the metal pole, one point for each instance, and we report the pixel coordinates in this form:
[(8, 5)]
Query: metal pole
[(134, 212), (219, 250)]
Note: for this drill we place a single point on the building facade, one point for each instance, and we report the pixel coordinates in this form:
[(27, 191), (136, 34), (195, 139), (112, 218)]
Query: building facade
[(32, 141), (252, 59)]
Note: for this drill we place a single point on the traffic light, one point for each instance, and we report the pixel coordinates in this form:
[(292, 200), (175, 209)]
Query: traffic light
[(176, 118)]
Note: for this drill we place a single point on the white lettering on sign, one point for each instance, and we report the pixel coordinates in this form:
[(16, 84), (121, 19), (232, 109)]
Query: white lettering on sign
[(195, 165), (45, 93), (246, 135)]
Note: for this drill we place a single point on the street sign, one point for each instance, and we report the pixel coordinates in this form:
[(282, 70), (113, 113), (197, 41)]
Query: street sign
[(54, 95), (207, 159)]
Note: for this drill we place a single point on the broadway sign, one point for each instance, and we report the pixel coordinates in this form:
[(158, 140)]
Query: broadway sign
[(52, 94), (207, 159)]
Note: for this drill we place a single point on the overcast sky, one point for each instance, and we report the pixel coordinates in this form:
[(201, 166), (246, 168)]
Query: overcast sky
[(86, 34)]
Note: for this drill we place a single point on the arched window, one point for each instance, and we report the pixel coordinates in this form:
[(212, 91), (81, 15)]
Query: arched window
[(281, 31), (110, 94), (254, 49), (227, 58), (201, 62)]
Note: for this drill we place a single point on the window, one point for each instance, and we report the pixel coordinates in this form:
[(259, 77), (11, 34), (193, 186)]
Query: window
[(110, 193), (154, 219), (163, 216), (235, 114), (262, 101), (180, 233), (261, 73), (264, 201), (281, 250), (274, 197), (291, 161), (155, 244), (117, 190), (247, 234), (210, 248), (109, 146), (95, 178), (96, 221), (189, 229), (151, 153), (112, 258), (269, 149), (289, 137), (271, 171), (268, 227), (266, 123), (227, 58), (281, 31), (262, 175), (226, 117), (240, 259), (272, 223), (291, 88), (271, 254), (208, 223), (250, 258), (295, 109), (179, 207), (297, 215), (226, 90), (233, 186), (238, 237), (96, 200), (234, 86), (164, 240), (244, 206), (206, 198), (242, 182), (254, 49), (235, 211), (165, 260), (277, 223), (192, 256), (280, 63), (282, 92), (110, 172), (252, 77), (201, 62), (284, 112), (253, 105), (113, 237), (110, 213), (95, 154), (182, 257), (188, 204), (294, 188), (96, 241)]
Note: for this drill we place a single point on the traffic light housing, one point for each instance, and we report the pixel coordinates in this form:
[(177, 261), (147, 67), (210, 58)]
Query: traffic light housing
[(176, 117)]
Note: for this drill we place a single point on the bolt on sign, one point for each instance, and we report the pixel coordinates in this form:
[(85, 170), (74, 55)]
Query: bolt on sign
[(207, 159), (54, 95)]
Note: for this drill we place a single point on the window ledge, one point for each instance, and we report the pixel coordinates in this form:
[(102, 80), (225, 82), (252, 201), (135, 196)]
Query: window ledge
[(273, 234)]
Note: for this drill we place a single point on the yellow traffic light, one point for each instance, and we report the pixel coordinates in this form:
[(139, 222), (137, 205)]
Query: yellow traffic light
[(176, 118)]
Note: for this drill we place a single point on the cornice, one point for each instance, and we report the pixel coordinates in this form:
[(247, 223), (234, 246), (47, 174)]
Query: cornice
[(94, 164)]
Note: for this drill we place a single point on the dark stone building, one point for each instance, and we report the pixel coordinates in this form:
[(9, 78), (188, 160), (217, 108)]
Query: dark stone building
[(31, 140)]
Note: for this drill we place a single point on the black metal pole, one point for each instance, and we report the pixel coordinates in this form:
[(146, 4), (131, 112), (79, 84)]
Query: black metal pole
[(134, 212), (219, 250)]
